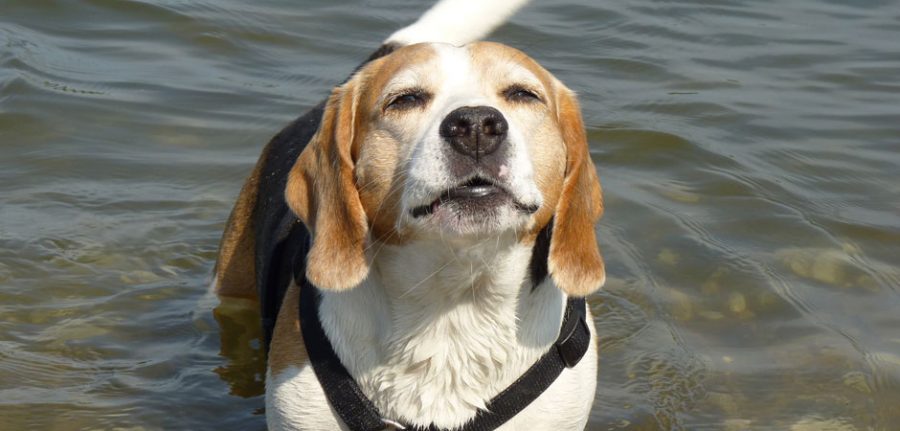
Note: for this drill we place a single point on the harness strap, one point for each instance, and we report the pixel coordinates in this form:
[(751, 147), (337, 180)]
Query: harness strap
[(358, 412), (344, 395)]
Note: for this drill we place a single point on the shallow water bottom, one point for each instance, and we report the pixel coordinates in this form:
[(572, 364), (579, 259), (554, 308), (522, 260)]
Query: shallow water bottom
[(748, 153)]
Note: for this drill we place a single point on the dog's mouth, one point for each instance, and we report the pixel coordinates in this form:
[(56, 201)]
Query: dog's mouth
[(475, 195)]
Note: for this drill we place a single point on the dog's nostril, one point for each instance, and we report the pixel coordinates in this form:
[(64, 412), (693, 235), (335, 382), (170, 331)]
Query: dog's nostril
[(454, 127), (493, 126), (459, 129)]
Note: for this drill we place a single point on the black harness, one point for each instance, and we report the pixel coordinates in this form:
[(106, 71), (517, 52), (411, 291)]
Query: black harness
[(281, 248), (358, 412)]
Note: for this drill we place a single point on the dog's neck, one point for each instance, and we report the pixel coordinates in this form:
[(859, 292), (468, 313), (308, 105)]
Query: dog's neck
[(439, 328)]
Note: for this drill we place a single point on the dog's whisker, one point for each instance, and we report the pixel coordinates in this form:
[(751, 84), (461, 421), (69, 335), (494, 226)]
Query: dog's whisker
[(424, 280), (447, 177)]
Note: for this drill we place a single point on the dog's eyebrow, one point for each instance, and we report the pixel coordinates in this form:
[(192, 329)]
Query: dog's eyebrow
[(521, 75), (404, 90), (413, 77)]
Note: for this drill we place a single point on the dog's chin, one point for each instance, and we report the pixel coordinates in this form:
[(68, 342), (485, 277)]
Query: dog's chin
[(476, 208)]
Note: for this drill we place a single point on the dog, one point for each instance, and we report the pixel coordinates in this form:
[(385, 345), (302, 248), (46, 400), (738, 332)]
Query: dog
[(420, 244)]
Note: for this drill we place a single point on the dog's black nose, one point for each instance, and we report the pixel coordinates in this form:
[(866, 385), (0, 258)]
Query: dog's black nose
[(475, 131)]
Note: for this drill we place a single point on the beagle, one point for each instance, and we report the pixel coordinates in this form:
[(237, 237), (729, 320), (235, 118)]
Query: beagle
[(438, 208)]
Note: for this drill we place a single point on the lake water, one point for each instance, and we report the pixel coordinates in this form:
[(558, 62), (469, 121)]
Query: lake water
[(749, 152)]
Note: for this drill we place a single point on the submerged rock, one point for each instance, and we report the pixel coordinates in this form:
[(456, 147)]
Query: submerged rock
[(830, 266), (816, 424)]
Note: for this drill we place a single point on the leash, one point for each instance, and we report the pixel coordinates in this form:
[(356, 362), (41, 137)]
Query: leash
[(360, 414)]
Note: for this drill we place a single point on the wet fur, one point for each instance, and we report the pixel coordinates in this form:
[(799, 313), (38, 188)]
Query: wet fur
[(430, 327)]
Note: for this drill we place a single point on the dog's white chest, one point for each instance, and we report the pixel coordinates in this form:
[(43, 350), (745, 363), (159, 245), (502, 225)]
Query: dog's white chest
[(296, 401), (439, 359)]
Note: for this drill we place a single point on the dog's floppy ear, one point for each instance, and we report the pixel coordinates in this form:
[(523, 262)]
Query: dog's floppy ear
[(321, 190), (574, 260)]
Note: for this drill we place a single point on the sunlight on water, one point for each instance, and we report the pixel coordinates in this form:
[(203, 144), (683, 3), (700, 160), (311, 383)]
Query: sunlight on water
[(748, 152)]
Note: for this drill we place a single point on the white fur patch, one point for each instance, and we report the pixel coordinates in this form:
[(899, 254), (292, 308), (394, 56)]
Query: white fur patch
[(457, 22), (440, 329), (461, 84), (296, 401), (436, 346)]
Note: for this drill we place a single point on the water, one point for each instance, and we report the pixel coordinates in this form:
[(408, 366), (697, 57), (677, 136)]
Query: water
[(748, 152)]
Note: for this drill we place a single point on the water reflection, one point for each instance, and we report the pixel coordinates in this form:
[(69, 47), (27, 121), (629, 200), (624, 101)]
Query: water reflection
[(748, 152), (241, 346)]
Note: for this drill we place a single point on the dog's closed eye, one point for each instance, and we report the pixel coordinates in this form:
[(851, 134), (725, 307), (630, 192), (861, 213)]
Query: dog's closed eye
[(407, 99), (521, 93)]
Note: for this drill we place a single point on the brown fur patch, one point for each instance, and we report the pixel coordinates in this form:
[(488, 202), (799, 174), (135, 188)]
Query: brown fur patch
[(321, 190), (575, 263), (235, 269), (288, 348), (340, 204), (380, 175), (563, 170), (545, 144)]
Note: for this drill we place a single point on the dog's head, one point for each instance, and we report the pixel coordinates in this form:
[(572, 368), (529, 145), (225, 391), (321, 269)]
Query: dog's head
[(437, 141)]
